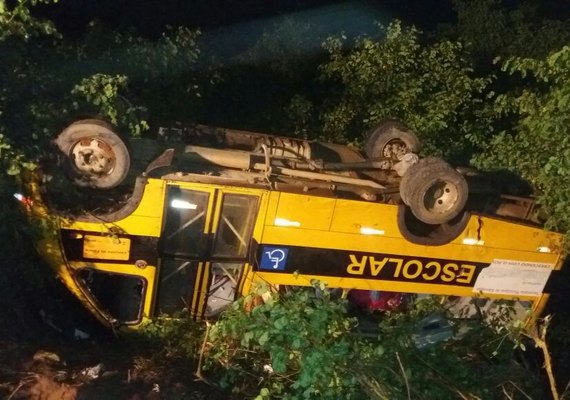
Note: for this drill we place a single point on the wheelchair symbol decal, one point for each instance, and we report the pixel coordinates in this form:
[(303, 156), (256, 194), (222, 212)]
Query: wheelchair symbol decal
[(273, 258)]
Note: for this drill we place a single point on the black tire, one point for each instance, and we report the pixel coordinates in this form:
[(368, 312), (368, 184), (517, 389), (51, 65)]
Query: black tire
[(96, 155), (418, 232), (391, 139), (436, 193), (407, 181)]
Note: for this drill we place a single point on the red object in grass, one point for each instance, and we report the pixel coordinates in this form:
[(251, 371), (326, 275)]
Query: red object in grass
[(373, 300)]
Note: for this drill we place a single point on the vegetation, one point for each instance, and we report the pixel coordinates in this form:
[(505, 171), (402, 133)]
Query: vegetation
[(492, 89), (539, 145), (303, 344), (432, 87)]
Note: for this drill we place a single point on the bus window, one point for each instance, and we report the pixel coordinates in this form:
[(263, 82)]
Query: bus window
[(222, 290), (177, 278), (235, 226), (118, 295), (183, 233)]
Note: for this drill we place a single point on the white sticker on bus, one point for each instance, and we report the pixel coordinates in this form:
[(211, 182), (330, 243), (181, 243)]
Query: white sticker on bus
[(513, 277)]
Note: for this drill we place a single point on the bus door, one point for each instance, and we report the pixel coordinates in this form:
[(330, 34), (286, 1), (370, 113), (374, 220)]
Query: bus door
[(204, 246)]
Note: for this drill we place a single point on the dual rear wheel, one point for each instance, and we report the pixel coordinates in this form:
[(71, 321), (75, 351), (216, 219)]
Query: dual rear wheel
[(434, 191)]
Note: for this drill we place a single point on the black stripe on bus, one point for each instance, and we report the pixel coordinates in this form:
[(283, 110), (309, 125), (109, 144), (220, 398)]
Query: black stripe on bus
[(381, 266)]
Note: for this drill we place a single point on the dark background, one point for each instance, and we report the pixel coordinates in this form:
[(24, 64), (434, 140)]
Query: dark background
[(149, 17)]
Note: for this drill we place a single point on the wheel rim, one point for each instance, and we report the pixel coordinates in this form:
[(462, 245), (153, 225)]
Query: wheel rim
[(395, 149), (93, 156), (441, 197)]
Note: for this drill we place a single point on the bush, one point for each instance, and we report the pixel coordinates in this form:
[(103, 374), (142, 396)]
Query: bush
[(302, 345)]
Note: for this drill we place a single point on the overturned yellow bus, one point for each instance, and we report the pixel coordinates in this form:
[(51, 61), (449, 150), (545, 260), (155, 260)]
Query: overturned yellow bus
[(221, 210)]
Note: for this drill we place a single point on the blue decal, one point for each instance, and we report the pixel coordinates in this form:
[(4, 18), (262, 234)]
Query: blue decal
[(273, 258)]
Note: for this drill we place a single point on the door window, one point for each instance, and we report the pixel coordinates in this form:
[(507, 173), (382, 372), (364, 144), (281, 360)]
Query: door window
[(223, 284), (177, 278), (183, 233), (234, 226)]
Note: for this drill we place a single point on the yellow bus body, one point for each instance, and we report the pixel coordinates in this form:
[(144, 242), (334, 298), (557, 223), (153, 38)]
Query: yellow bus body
[(294, 239)]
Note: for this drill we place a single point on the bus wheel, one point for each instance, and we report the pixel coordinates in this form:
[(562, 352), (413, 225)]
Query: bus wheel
[(407, 181), (97, 156), (418, 232), (436, 193), (391, 139)]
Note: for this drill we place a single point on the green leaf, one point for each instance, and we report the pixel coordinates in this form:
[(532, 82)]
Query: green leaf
[(263, 338), (281, 323)]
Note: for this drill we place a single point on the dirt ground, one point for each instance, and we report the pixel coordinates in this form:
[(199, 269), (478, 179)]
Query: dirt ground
[(55, 370), (42, 357)]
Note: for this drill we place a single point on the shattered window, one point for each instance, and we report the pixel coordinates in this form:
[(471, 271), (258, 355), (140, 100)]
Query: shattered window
[(223, 285), (117, 295)]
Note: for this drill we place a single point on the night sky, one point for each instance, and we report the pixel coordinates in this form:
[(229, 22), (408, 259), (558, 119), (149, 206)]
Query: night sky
[(238, 23), (149, 17)]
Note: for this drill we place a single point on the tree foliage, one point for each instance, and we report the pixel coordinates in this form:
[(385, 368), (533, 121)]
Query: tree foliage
[(17, 30), (161, 74), (429, 86), (49, 80), (539, 146), (492, 29), (258, 86), (16, 20)]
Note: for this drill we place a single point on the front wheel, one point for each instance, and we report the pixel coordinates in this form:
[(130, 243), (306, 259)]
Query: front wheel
[(97, 156)]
